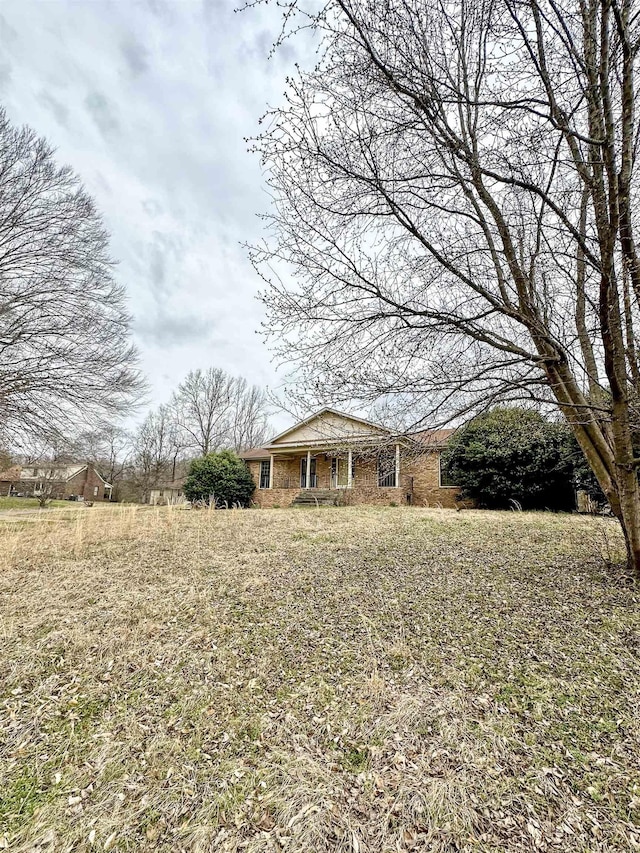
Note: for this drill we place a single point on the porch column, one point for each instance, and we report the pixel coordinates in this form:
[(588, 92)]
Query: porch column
[(350, 470), (271, 471), (397, 466), (308, 473)]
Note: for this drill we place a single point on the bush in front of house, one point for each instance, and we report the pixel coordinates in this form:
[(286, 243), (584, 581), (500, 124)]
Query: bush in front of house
[(222, 477), (514, 454)]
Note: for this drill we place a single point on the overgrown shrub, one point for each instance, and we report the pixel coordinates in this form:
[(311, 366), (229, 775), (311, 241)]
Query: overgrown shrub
[(515, 454), (223, 477)]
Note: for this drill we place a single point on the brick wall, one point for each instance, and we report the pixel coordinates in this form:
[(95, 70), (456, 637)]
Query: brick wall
[(372, 495), (85, 483), (427, 491), (269, 498)]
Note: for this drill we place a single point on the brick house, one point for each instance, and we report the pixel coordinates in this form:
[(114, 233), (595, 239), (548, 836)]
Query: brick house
[(60, 481), (334, 458)]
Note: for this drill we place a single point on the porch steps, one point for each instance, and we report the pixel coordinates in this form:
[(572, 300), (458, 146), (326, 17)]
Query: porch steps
[(316, 497)]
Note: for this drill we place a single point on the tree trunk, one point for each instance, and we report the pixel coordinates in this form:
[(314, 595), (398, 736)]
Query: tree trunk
[(630, 520)]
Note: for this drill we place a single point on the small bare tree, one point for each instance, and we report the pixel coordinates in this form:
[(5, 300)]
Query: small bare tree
[(50, 478), (455, 193), (65, 350), (155, 450), (110, 448)]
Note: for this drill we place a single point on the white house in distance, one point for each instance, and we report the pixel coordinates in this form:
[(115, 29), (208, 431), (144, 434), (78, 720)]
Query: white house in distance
[(168, 494)]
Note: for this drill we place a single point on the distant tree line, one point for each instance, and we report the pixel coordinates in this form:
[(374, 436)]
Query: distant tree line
[(208, 412)]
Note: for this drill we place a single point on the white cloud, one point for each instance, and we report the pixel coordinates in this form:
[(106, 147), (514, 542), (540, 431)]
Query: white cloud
[(149, 102)]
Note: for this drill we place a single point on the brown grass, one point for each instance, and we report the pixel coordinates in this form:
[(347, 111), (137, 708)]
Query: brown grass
[(317, 680)]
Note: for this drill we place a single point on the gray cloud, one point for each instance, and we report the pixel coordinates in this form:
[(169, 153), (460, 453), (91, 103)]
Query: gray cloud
[(8, 33), (175, 331), (152, 207), (135, 56), (101, 112)]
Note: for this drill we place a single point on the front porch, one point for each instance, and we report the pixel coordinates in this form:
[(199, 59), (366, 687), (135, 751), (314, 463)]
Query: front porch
[(328, 476)]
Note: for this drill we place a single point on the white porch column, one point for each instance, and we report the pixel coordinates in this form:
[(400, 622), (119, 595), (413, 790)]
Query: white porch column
[(350, 470), (271, 471), (308, 477), (397, 466)]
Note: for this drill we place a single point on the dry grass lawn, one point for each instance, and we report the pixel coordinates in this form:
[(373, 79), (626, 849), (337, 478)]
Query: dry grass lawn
[(317, 680)]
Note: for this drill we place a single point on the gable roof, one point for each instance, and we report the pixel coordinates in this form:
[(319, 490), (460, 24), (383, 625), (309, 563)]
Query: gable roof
[(53, 471), (326, 416), (303, 434)]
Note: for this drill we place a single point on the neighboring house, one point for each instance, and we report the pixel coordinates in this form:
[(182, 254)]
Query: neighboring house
[(58, 481), (167, 494), (335, 458)]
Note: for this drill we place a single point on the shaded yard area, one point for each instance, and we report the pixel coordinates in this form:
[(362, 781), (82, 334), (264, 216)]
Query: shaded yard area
[(357, 679)]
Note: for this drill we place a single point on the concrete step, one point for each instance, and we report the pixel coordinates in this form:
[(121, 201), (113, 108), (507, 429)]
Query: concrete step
[(315, 497)]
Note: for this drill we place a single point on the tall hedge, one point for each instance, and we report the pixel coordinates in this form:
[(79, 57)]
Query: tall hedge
[(221, 475), (511, 454)]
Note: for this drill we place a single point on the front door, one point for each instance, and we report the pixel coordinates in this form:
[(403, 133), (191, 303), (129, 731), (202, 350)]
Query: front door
[(339, 473), (303, 473)]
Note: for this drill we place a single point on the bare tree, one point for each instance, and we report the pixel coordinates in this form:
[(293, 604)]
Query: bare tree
[(50, 478), (214, 410), (155, 450), (249, 424), (110, 448), (454, 192), (201, 408), (65, 350)]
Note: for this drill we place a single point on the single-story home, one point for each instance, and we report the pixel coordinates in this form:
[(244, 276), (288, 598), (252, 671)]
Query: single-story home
[(58, 481), (332, 458), (167, 494)]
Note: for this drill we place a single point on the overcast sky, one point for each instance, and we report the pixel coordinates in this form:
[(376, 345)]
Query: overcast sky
[(149, 101)]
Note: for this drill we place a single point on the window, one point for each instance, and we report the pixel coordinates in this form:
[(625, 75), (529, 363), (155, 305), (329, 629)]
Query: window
[(265, 473), (95, 491), (387, 471), (446, 481)]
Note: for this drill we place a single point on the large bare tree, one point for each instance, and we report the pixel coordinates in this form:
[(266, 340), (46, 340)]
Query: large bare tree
[(65, 349), (201, 408), (455, 187), (214, 410), (248, 421)]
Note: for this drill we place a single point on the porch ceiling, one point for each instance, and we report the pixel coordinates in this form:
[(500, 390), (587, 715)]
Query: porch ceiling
[(332, 448)]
